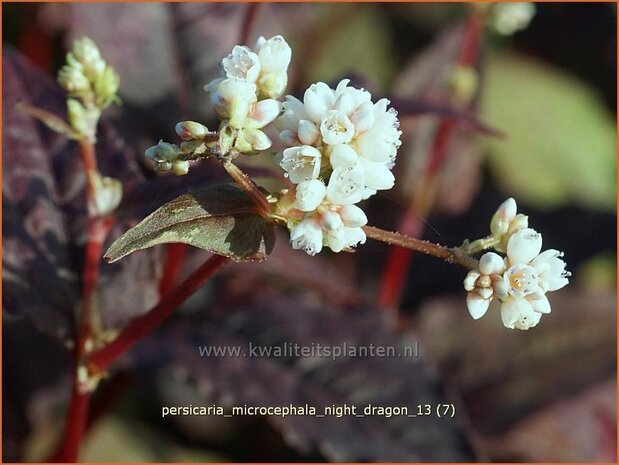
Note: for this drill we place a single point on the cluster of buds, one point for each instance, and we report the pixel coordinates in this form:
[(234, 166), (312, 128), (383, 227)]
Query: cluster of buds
[(521, 279), (340, 149), (197, 141), (246, 97), (91, 83)]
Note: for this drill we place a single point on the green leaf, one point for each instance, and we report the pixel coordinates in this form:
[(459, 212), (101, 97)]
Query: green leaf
[(560, 147), (220, 219)]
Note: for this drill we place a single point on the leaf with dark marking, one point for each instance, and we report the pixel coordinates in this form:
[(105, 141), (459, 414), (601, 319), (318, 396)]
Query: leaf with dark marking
[(220, 219)]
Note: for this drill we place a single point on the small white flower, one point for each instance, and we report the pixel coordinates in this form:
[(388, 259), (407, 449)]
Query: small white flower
[(517, 313), (552, 275), (307, 235), (242, 63), (274, 55), (310, 194), (346, 185), (232, 99), (301, 163), (336, 128), (520, 281)]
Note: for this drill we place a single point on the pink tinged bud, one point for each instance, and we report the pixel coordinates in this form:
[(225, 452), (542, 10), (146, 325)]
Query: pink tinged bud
[(308, 132), (343, 155), (189, 130), (263, 113), (477, 305), (289, 138), (336, 128), (491, 263), (524, 246), (353, 216), (504, 215), (310, 194), (331, 220), (377, 175), (471, 280), (257, 139)]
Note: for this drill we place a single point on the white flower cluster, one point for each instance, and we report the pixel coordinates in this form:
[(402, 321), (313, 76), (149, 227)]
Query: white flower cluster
[(246, 97), (340, 148), (519, 281)]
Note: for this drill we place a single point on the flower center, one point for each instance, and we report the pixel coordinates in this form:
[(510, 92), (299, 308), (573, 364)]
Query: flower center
[(521, 280)]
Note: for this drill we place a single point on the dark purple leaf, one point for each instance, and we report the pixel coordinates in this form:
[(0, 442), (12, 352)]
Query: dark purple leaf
[(265, 317)]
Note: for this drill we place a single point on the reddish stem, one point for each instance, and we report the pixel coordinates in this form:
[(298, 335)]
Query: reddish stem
[(393, 280), (100, 360), (76, 424), (175, 256), (96, 233)]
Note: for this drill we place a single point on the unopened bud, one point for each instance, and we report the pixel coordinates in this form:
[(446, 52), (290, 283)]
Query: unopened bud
[(162, 152), (180, 167), (106, 87), (189, 130), (72, 80), (252, 141), (108, 193), (227, 136)]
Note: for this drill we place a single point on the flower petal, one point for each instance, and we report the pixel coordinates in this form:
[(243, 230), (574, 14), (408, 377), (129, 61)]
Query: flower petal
[(353, 216), (491, 263), (539, 302), (512, 309), (477, 305), (524, 246)]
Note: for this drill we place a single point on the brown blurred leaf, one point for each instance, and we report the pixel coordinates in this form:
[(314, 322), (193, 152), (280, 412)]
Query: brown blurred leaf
[(504, 375), (45, 213), (264, 317), (426, 79), (580, 429)]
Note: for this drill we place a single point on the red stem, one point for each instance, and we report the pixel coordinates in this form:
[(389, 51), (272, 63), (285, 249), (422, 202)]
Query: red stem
[(393, 279), (100, 360), (175, 256), (76, 424)]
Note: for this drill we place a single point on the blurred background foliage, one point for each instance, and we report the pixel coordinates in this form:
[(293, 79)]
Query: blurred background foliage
[(544, 395)]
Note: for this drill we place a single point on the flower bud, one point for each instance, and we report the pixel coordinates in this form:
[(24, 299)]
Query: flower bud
[(227, 136), (189, 130), (180, 167), (163, 151), (310, 194), (72, 80), (502, 218), (163, 166), (106, 87), (250, 141), (108, 193)]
